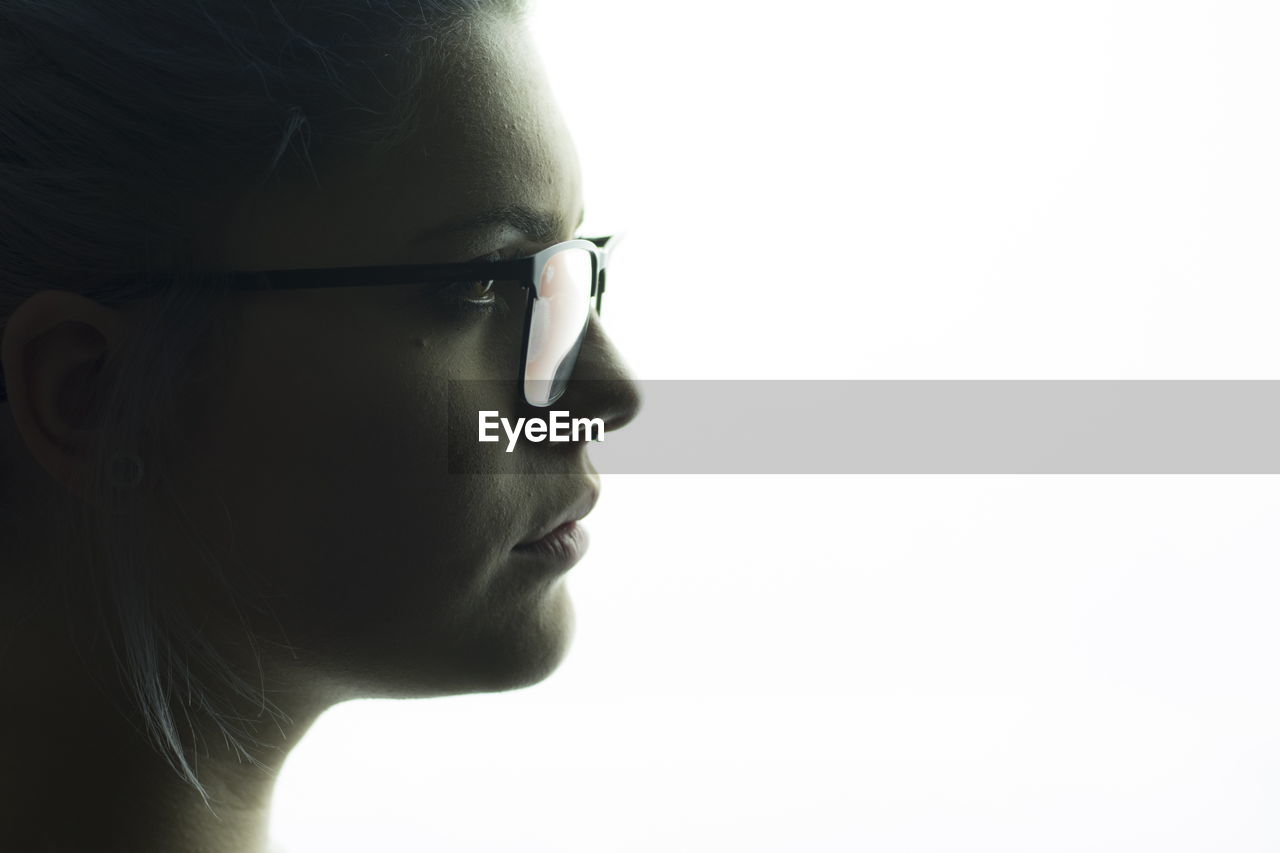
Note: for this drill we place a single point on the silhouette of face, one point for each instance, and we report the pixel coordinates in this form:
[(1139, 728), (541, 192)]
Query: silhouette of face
[(319, 438)]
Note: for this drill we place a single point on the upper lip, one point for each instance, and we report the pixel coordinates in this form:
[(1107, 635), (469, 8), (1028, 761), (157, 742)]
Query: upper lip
[(574, 512)]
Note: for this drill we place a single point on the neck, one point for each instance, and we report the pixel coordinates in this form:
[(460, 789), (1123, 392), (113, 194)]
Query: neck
[(78, 772)]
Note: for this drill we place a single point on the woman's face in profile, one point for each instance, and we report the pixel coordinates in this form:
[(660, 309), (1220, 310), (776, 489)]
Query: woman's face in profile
[(318, 432)]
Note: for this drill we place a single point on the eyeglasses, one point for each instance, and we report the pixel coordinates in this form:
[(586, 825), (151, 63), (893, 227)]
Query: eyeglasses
[(561, 281)]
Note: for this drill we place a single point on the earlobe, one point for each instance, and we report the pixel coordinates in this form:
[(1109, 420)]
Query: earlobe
[(54, 351)]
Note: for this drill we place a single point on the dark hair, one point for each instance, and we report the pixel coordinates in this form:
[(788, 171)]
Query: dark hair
[(119, 123)]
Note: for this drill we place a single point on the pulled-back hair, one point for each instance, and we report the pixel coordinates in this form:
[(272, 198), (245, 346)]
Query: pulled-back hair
[(118, 121)]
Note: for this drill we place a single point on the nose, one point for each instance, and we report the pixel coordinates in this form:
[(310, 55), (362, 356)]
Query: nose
[(601, 385)]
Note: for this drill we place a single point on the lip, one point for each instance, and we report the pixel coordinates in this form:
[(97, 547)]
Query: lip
[(576, 511), (567, 544)]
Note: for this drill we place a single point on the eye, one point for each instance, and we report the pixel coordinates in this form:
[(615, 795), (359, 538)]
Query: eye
[(477, 295), (472, 299), (473, 292)]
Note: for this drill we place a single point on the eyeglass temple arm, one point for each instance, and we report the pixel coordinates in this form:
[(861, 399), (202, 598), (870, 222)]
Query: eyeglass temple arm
[(602, 242), (605, 241)]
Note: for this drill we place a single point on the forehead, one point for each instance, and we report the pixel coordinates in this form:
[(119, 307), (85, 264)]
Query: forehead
[(490, 136)]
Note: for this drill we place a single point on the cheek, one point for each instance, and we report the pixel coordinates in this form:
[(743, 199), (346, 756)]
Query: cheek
[(328, 476)]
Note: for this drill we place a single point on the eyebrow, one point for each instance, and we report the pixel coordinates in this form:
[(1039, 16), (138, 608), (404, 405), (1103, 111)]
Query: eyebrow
[(539, 226)]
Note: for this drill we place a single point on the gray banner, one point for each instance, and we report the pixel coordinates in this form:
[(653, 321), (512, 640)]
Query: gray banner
[(905, 427)]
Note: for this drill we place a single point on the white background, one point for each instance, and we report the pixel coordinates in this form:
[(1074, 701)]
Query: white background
[(912, 189)]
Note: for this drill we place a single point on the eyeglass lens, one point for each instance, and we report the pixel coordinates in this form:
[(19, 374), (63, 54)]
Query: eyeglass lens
[(561, 310)]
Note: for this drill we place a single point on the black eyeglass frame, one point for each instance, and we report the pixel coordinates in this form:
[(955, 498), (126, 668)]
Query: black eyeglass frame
[(527, 271)]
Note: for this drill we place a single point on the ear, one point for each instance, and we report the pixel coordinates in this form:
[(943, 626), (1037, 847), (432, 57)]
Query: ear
[(53, 352)]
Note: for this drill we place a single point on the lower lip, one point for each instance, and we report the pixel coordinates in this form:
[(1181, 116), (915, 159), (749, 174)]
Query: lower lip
[(566, 544)]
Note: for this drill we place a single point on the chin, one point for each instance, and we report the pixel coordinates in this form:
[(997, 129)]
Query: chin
[(526, 650), (498, 652)]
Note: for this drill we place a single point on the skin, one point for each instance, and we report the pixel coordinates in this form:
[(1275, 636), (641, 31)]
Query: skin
[(315, 471)]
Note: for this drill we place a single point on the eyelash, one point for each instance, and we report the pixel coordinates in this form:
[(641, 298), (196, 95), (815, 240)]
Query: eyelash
[(450, 293)]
